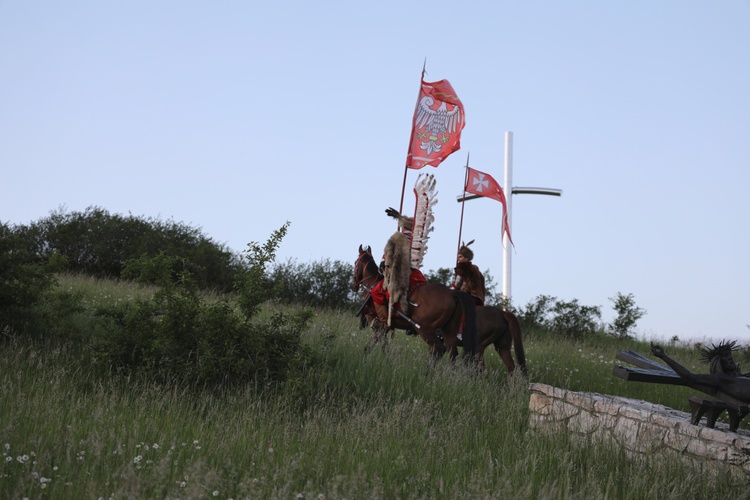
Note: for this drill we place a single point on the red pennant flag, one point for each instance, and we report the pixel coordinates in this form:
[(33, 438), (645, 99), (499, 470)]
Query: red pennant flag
[(437, 125), (483, 184)]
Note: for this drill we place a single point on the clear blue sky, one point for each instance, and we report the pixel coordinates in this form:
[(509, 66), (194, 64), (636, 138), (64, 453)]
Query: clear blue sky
[(237, 116)]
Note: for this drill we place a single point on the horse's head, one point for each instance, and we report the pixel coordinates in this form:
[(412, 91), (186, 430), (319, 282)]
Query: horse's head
[(364, 269)]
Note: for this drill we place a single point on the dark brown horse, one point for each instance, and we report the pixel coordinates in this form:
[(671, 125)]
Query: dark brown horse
[(498, 328), (436, 312)]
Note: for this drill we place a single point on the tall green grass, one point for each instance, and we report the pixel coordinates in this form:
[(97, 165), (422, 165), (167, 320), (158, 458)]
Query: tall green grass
[(383, 425)]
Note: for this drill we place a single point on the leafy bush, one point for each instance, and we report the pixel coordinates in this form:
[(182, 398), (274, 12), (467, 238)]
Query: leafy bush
[(627, 315), (569, 319), (179, 335), (317, 284), (443, 276), (536, 313), (25, 284), (97, 243), (574, 320)]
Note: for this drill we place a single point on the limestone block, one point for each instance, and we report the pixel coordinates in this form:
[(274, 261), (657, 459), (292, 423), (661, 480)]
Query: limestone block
[(585, 423), (540, 403), (676, 441), (625, 432), (563, 410), (608, 406), (640, 427), (651, 438), (582, 400)]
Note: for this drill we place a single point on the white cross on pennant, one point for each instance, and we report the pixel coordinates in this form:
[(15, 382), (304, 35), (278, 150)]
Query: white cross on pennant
[(479, 179)]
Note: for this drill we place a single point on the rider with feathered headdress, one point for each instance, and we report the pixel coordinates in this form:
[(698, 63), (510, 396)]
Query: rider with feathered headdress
[(468, 277)]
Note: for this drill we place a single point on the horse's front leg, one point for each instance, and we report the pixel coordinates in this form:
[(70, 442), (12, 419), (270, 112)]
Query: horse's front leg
[(436, 346)]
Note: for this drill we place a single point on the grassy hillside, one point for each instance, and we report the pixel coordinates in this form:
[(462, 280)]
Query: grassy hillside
[(381, 425)]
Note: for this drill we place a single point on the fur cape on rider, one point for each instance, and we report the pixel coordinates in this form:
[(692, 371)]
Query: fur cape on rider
[(470, 280), (406, 248), (397, 269)]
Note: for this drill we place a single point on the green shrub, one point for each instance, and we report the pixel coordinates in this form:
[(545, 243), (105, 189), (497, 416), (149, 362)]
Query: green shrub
[(97, 243), (574, 320), (323, 284), (443, 276), (536, 313), (25, 284), (178, 335), (569, 319), (627, 315)]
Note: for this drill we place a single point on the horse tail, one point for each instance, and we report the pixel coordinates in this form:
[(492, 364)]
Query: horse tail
[(470, 337), (515, 333)]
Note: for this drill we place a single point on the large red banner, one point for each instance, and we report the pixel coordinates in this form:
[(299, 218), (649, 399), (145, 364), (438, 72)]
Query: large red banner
[(436, 129)]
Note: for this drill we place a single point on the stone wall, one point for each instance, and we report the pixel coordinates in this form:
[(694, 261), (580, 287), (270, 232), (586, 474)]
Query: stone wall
[(640, 427)]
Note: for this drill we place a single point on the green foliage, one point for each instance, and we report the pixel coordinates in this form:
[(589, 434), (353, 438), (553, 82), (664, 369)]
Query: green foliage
[(98, 243), (324, 284), (568, 319), (493, 296), (536, 313), (250, 283), (443, 276), (627, 315), (25, 285), (72, 430), (177, 335), (574, 320)]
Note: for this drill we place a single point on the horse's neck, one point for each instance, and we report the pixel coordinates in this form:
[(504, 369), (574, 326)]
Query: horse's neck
[(370, 274), (370, 279)]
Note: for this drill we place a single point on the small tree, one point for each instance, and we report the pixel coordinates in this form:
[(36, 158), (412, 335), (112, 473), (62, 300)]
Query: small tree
[(25, 285), (573, 320), (627, 315), (443, 276), (324, 283), (536, 313), (251, 283)]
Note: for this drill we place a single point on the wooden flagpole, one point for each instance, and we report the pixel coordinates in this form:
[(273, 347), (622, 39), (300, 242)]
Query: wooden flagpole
[(463, 203), (411, 139)]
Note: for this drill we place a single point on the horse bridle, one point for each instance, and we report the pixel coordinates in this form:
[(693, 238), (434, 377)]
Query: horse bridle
[(359, 283)]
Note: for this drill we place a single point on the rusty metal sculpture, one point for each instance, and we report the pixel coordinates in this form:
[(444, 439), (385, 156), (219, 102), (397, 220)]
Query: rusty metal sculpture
[(729, 388)]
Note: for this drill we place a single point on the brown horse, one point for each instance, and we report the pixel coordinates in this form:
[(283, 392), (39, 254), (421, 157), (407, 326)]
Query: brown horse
[(500, 329), (496, 327), (436, 311)]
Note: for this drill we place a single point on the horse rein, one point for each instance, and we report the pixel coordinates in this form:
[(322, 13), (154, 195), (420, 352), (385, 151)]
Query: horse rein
[(360, 283)]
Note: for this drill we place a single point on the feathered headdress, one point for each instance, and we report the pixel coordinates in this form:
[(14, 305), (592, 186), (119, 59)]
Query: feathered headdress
[(426, 195), (466, 251)]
